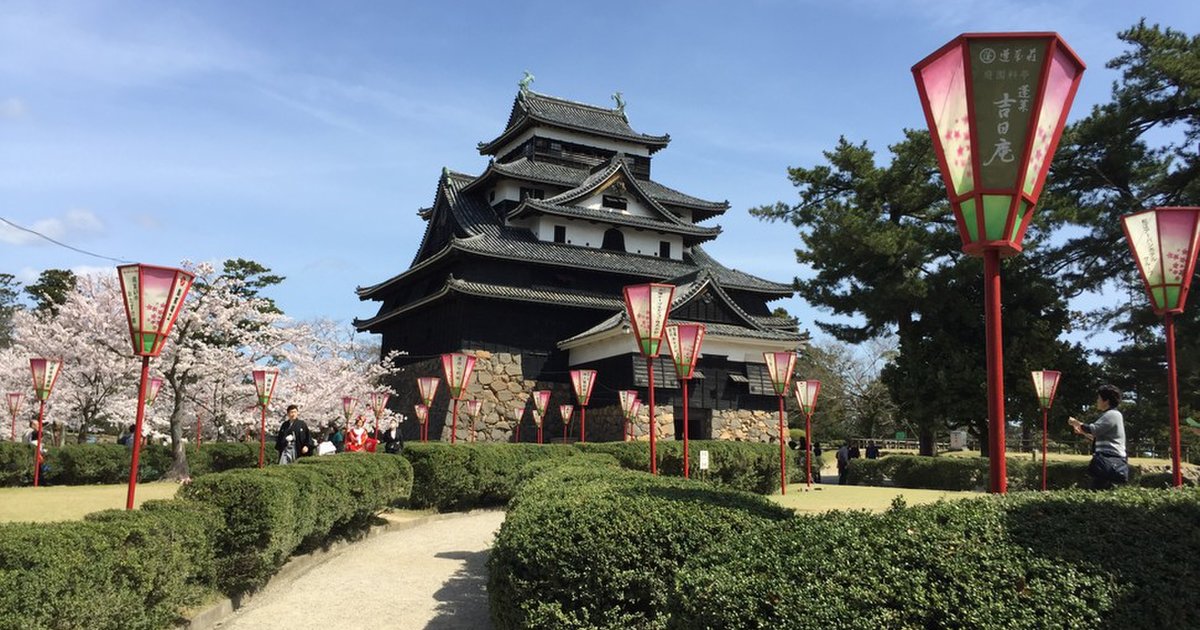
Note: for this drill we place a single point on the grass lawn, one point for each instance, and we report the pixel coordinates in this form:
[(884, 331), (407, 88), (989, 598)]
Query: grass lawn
[(823, 498), (68, 503)]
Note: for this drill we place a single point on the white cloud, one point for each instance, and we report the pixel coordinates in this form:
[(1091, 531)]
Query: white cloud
[(74, 224), (12, 108)]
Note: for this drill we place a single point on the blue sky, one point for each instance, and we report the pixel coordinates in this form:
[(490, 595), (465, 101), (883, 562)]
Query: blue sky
[(306, 135)]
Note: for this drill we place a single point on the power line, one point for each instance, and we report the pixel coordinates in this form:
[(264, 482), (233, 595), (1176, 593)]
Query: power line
[(62, 244)]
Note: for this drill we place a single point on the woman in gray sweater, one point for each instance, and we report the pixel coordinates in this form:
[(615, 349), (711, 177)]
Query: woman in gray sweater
[(1110, 465)]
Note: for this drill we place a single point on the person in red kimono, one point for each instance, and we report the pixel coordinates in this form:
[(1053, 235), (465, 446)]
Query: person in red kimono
[(356, 437)]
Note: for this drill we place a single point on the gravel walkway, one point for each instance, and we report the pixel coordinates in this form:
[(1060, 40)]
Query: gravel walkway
[(433, 575)]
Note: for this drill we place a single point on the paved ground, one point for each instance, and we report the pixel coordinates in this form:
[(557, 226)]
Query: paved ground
[(431, 576)]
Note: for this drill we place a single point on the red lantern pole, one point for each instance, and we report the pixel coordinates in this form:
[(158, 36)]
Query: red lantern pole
[(782, 452), (137, 442), (519, 418), (197, 429), (683, 384), (262, 437), (1045, 431), (808, 442), (1173, 401), (995, 368), (37, 454), (14, 410), (653, 425), (454, 425)]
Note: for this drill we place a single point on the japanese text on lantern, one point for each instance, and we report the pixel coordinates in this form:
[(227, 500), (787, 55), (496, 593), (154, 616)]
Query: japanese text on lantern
[(1005, 79)]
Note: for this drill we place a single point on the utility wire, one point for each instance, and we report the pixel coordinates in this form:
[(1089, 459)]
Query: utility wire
[(61, 244)]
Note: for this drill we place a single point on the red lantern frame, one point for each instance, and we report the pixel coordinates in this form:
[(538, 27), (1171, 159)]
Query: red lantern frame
[(583, 381), (45, 374), (684, 342)]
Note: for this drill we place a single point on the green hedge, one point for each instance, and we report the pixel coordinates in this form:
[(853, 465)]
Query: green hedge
[(1123, 559), (16, 464), (228, 530), (968, 473), (117, 569), (465, 476), (271, 513), (596, 547), (83, 464), (748, 466)]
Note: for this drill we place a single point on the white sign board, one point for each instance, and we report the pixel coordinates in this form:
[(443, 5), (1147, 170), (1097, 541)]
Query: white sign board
[(703, 460), (958, 440)]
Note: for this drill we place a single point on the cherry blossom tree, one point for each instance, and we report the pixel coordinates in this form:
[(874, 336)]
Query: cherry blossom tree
[(98, 382)]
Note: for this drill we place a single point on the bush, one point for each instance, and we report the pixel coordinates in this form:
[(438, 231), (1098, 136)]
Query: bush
[(966, 473), (81, 464), (84, 464), (748, 466), (222, 456), (594, 547), (465, 476), (16, 464), (117, 569), (1030, 560), (271, 513)]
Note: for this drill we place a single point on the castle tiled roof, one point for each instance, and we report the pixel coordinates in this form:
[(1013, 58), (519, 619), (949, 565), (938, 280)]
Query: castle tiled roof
[(478, 231), (616, 217), (530, 108)]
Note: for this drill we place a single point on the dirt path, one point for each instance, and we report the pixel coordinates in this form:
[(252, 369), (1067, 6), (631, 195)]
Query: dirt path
[(433, 575)]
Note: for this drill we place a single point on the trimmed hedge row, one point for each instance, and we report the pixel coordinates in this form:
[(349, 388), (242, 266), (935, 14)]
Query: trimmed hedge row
[(748, 466), (971, 473), (229, 531), (465, 476), (271, 513), (596, 547), (1075, 559), (587, 547), (83, 464)]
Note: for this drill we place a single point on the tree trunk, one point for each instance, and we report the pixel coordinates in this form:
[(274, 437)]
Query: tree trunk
[(983, 439), (179, 465), (928, 441)]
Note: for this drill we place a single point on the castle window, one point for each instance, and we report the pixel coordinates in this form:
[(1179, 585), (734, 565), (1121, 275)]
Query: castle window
[(560, 234), (616, 203), (614, 240), (664, 249)]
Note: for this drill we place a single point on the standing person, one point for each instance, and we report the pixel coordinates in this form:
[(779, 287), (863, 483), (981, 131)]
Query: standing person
[(324, 446), (293, 437), (872, 450), (816, 451), (337, 437), (854, 452), (843, 462), (1110, 464), (356, 438), (391, 439)]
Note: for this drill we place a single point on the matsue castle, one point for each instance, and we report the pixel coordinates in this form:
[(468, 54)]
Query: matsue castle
[(523, 266)]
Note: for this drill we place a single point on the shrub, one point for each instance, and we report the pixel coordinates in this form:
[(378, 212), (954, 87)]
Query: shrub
[(222, 456), (748, 466), (117, 569), (16, 464), (270, 513), (965, 473), (1029, 560), (594, 547), (83, 464), (466, 476), (80, 464)]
